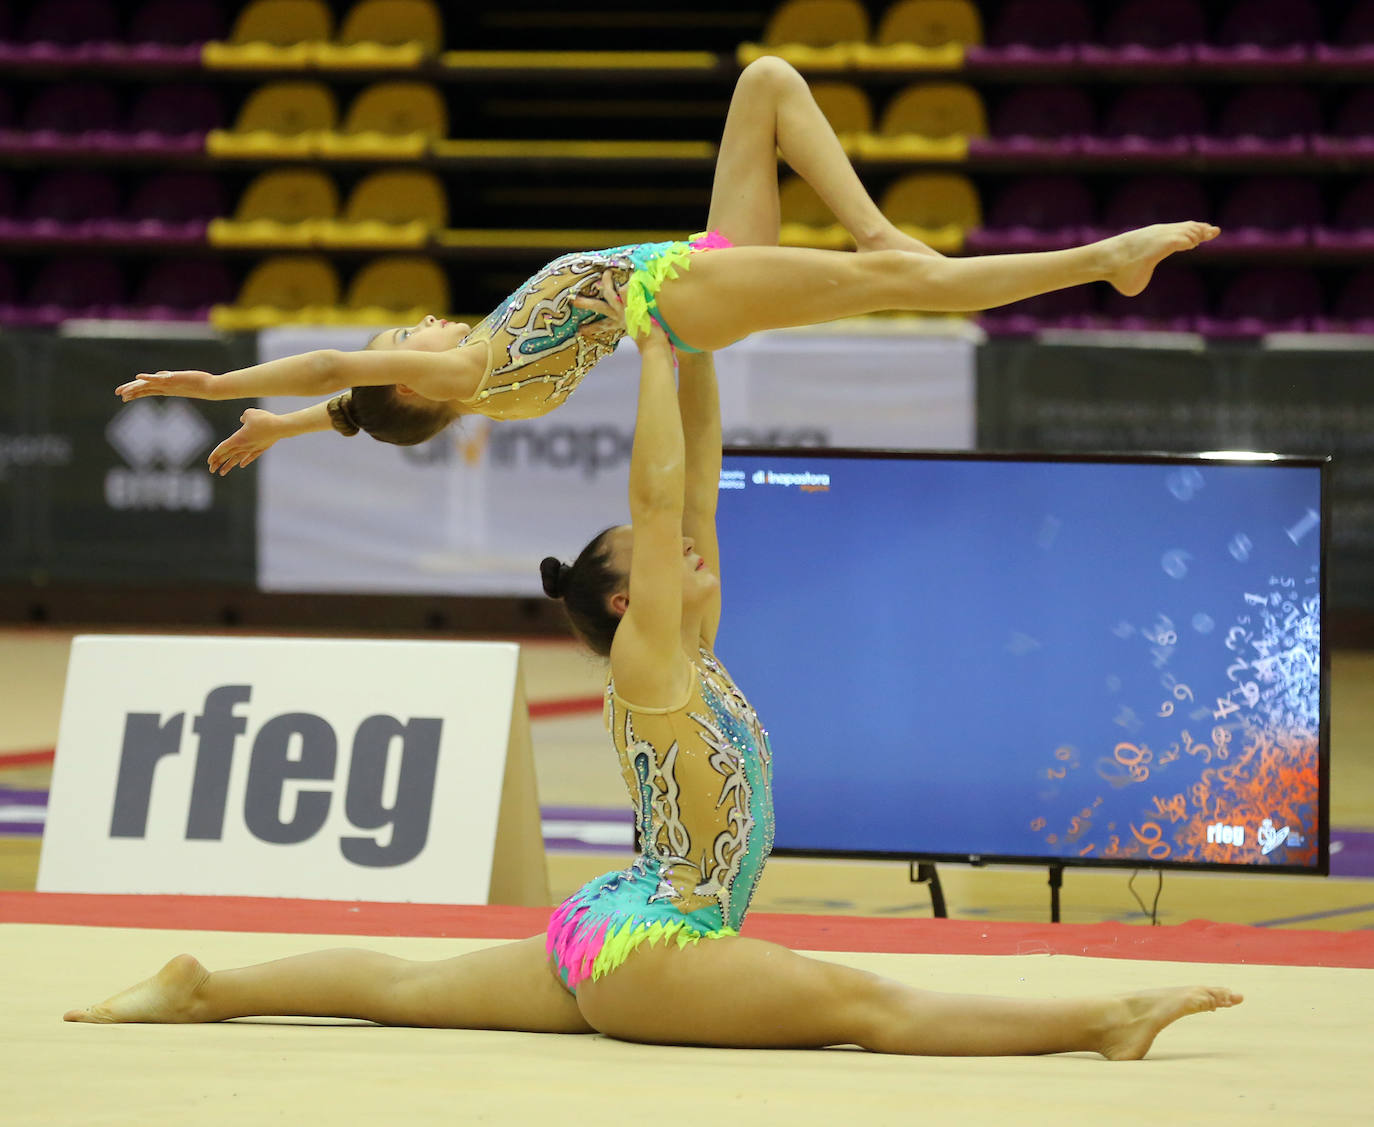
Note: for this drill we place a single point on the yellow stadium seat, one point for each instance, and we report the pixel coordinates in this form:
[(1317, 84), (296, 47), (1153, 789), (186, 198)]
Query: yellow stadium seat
[(300, 288), (392, 208), (806, 220), (846, 107), (398, 288), (812, 33), (278, 119), (282, 208), (385, 33), (923, 34), (932, 121), (390, 120), (273, 33), (937, 208)]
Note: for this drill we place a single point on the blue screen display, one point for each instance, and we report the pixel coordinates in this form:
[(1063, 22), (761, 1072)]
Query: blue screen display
[(1088, 660)]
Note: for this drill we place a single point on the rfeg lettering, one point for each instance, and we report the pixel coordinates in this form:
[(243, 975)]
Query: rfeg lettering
[(292, 747)]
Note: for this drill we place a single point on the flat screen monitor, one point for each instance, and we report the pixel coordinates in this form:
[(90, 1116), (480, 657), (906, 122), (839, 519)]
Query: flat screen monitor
[(1095, 660)]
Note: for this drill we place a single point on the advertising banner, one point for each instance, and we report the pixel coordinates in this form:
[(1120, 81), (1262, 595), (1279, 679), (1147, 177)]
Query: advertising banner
[(96, 490), (1075, 398), (340, 769), (473, 511)]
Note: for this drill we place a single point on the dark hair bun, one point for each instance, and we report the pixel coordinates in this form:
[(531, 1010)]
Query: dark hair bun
[(340, 410), (554, 574)]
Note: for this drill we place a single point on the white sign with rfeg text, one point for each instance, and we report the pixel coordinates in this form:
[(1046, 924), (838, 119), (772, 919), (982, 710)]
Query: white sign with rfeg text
[(328, 769)]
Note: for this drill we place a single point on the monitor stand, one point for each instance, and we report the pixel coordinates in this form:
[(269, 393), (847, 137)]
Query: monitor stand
[(924, 872)]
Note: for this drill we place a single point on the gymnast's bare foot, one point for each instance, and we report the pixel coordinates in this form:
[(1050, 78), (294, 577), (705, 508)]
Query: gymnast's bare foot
[(169, 996), (1136, 1019), (1133, 256)]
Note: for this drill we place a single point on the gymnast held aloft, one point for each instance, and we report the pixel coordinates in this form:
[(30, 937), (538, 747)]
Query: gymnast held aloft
[(530, 353), (652, 952)]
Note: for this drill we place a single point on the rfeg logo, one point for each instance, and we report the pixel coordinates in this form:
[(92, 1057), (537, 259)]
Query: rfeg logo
[(158, 441), (289, 750)]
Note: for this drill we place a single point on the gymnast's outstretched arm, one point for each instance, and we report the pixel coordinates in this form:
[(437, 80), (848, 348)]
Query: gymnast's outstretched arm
[(698, 399), (259, 430)]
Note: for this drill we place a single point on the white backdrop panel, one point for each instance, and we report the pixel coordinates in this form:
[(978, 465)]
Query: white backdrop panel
[(474, 510)]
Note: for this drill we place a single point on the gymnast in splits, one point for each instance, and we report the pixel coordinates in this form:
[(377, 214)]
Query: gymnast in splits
[(652, 953), (530, 353)]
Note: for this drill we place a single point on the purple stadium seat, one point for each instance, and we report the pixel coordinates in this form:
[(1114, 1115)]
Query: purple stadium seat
[(1277, 120), (1153, 199), (8, 196), (1034, 32), (1150, 122), (1264, 33), (6, 108), (1354, 43), (1354, 309), (66, 116), (1274, 299), (1270, 213), (71, 22), (175, 207), (172, 119), (1038, 121), (69, 206), (1149, 32), (75, 287), (1352, 229), (1073, 308), (8, 310), (1036, 213), (184, 289), (179, 23), (1172, 302), (1352, 133)]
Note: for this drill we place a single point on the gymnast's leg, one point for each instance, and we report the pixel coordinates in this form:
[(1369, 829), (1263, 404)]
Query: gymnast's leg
[(728, 294), (509, 986), (772, 111), (745, 993)]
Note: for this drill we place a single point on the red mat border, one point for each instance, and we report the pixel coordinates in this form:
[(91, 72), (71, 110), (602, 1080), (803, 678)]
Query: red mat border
[(1197, 941)]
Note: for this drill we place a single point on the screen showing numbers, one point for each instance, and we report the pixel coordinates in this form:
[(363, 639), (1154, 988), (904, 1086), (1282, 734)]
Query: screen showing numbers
[(1091, 660)]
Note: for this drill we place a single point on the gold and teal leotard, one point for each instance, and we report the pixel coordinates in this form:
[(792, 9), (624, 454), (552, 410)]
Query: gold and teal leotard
[(699, 777), (536, 355)]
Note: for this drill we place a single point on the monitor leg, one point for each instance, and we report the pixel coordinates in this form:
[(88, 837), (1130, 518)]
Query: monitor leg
[(1056, 883), (923, 872)]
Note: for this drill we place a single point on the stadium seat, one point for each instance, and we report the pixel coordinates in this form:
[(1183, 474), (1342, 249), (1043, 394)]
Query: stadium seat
[(1354, 42), (930, 121), (929, 34), (282, 289), (385, 33), (1035, 32), (817, 34), (1352, 132), (398, 289), (1074, 308), (1353, 311), (1267, 32), (64, 202), (1138, 202), (1036, 213), (935, 207), (1172, 302), (389, 120), (1352, 227), (1150, 122), (280, 119), (846, 107), (177, 22), (282, 208), (1044, 121), (68, 288), (68, 110), (176, 206), (1271, 213), (1266, 300), (173, 119), (1149, 32), (183, 289), (1267, 121), (392, 208), (805, 219), (273, 33), (70, 22)]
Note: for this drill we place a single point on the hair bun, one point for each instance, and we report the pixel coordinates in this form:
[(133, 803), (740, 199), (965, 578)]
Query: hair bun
[(553, 572), (341, 414)]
